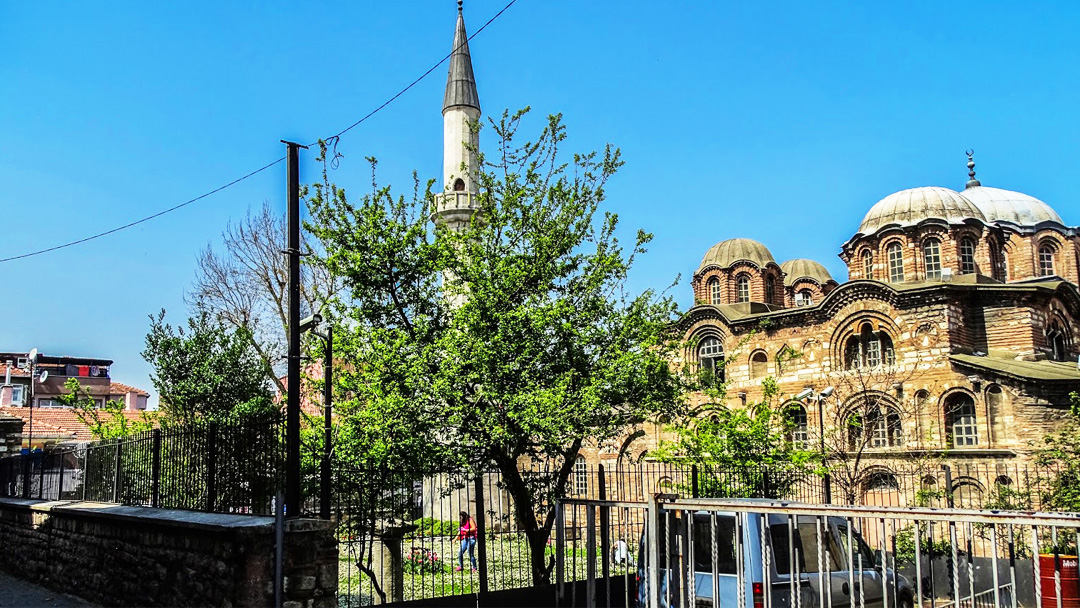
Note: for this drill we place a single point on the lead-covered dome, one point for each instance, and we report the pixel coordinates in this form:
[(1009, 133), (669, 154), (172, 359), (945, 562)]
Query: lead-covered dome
[(726, 253), (1008, 206), (909, 207), (804, 269)]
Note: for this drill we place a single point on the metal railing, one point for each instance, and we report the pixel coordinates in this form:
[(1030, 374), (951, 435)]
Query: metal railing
[(743, 553)]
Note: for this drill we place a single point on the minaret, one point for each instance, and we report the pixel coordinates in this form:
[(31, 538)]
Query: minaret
[(455, 206)]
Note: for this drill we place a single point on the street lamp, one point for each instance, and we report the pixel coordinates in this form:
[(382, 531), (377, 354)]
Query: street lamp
[(312, 324), (808, 393)]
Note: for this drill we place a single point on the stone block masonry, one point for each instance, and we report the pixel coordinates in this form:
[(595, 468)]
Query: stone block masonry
[(134, 556)]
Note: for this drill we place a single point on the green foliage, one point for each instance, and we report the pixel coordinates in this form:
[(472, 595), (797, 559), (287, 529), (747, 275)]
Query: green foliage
[(106, 422), (1062, 450), (905, 544), (206, 372), (429, 526), (544, 350)]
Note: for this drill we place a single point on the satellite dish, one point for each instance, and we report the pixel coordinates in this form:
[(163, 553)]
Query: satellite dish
[(33, 356), (44, 376)]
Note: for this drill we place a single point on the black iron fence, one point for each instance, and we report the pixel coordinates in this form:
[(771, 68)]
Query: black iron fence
[(234, 468)]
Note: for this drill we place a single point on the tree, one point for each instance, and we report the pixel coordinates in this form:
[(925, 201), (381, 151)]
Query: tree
[(205, 372), (547, 351), (106, 422), (1061, 450), (246, 286)]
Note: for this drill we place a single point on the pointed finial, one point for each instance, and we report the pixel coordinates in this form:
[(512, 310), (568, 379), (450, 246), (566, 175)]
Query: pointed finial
[(972, 182), (459, 3)]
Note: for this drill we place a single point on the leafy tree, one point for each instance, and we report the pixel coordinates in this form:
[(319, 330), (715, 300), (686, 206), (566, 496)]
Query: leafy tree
[(1062, 450), (107, 422), (206, 372), (546, 351)]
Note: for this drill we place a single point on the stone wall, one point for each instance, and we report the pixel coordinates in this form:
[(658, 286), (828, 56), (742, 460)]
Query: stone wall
[(10, 435), (134, 556)]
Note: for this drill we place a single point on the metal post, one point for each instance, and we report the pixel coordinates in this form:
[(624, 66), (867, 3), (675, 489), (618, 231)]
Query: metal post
[(481, 537), (279, 549), (60, 478), (292, 404), (117, 472), (653, 549), (155, 469), (821, 440), (211, 467), (694, 492), (605, 534), (328, 397)]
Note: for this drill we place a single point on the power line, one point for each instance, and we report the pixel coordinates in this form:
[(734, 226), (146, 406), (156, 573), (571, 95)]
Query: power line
[(260, 169)]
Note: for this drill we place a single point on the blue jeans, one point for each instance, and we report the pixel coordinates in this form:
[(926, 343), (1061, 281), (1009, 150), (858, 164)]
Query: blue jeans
[(467, 544)]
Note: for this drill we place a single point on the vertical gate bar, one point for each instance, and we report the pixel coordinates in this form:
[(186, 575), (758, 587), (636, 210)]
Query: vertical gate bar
[(560, 552), (851, 559), (1012, 563), (116, 475), (954, 565), (918, 562), (211, 471), (155, 473), (968, 530), (605, 534), (795, 581), (481, 534), (60, 481), (652, 541), (740, 561), (766, 558), (1038, 565), (713, 541), (590, 556), (884, 564), (1057, 566), (994, 548)]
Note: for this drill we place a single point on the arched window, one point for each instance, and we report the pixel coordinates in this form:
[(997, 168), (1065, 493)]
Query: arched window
[(459, 185), (880, 480), (581, 476), (932, 258), (874, 426), (1046, 260), (742, 288), (770, 289), (759, 364), (867, 264), (711, 360), (1056, 337), (714, 291), (895, 253), (798, 429), (997, 266), (967, 255), (922, 397), (961, 424), (804, 297), (869, 349)]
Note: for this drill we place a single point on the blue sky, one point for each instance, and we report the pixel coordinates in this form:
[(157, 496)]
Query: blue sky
[(782, 122)]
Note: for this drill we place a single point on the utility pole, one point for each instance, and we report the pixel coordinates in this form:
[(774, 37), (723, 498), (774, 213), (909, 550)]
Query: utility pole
[(292, 408)]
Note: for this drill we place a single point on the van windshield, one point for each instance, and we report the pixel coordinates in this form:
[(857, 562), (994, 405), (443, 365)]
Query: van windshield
[(725, 548)]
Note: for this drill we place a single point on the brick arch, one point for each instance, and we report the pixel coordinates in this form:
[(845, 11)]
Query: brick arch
[(852, 325)]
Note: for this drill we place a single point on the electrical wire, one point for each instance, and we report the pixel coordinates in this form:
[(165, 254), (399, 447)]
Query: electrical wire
[(334, 138)]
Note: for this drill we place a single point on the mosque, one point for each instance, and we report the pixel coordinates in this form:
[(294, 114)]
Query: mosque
[(953, 337)]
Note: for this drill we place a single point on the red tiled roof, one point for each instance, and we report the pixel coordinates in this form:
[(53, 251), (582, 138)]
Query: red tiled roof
[(118, 388), (59, 421), (15, 371)]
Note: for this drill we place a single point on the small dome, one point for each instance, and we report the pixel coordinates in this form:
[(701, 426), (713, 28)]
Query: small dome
[(909, 207), (804, 269), (726, 253), (1006, 205)]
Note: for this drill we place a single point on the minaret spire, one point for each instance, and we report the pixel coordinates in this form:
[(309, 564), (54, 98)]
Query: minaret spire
[(972, 182), (460, 82)]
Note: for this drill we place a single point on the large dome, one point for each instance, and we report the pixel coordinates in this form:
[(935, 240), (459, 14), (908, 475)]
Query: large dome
[(1009, 206), (909, 207), (726, 253), (804, 269)]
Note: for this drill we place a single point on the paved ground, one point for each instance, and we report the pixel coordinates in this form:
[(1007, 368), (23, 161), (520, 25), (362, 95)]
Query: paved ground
[(15, 593)]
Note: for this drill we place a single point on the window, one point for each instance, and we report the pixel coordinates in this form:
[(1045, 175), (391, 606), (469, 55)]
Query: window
[(770, 289), (18, 394), (459, 185), (804, 297), (1056, 337), (960, 421), (869, 349), (1046, 260), (798, 433), (896, 262), (711, 359), (997, 267), (581, 476), (742, 288), (714, 291), (880, 481), (759, 364), (867, 264), (49, 403), (932, 258), (967, 255), (873, 426)]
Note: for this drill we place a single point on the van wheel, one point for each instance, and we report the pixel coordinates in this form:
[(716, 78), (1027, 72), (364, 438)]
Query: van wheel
[(906, 602)]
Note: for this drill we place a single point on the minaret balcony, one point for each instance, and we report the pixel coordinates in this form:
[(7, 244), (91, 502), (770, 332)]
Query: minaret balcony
[(453, 207)]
